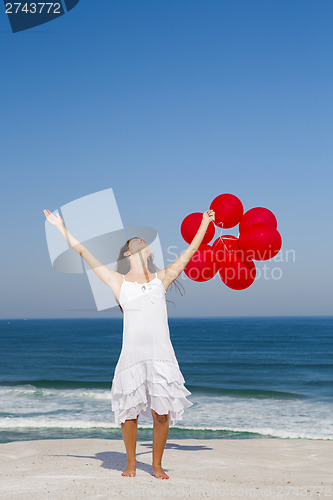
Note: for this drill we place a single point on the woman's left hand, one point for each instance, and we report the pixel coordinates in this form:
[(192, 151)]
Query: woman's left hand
[(208, 216)]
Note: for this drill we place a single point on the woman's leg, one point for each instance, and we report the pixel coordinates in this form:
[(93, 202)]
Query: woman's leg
[(160, 435), (129, 430)]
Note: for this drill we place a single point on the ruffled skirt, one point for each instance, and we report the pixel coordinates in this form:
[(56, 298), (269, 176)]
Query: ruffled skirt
[(150, 384)]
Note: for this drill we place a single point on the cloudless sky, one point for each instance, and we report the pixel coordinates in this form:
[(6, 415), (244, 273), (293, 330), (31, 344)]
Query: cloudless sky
[(170, 103)]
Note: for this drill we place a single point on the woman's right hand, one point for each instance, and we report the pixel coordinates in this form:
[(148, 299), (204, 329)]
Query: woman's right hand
[(55, 220)]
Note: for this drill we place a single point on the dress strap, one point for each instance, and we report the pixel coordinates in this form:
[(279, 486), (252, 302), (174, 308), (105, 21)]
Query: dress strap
[(156, 274), (124, 277)]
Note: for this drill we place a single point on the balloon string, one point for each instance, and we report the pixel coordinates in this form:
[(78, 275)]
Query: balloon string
[(220, 236)]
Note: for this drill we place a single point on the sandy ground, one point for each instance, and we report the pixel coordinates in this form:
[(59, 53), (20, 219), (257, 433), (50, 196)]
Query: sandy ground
[(221, 468)]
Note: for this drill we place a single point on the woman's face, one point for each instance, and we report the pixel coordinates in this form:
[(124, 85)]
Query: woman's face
[(139, 244)]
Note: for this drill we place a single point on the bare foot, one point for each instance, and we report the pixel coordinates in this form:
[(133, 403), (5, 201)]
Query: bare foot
[(159, 472), (130, 470)]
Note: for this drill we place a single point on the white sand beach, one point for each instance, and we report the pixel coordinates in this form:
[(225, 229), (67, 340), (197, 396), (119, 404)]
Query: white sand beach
[(221, 468)]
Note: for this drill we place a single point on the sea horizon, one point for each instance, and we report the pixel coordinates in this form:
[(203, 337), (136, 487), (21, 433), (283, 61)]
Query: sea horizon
[(249, 377)]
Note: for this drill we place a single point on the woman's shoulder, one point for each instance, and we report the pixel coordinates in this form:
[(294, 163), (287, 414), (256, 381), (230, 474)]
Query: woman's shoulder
[(161, 274)]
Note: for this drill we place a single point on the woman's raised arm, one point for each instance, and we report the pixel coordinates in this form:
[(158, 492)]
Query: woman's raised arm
[(177, 267), (109, 277)]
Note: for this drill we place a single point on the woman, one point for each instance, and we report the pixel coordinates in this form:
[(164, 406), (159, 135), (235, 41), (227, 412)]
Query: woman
[(147, 377)]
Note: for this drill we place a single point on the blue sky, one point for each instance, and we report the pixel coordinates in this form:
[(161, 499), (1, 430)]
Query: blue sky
[(170, 103)]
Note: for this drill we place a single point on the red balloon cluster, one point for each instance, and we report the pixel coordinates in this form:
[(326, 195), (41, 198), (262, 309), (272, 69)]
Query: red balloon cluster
[(232, 257)]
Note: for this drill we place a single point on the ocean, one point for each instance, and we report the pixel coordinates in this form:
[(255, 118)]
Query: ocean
[(249, 378)]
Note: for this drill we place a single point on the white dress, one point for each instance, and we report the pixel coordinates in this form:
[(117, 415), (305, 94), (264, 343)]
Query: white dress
[(147, 374)]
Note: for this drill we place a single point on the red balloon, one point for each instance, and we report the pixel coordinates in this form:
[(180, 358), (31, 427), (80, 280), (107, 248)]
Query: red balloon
[(203, 265), (190, 225), (260, 241), (223, 245), (228, 210), (237, 274), (257, 215)]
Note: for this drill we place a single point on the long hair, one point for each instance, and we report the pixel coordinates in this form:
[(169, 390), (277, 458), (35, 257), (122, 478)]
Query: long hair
[(123, 267)]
